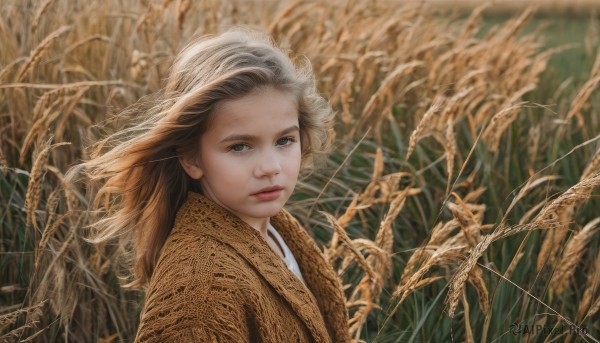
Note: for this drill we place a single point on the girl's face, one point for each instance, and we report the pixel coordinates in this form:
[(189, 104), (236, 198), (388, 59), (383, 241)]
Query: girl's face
[(250, 155)]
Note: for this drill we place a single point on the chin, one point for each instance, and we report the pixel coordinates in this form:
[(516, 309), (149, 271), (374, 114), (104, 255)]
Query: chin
[(269, 210)]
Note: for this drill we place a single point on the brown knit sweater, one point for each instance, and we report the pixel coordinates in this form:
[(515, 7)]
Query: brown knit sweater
[(218, 280)]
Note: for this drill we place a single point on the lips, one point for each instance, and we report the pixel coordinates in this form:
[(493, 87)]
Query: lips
[(269, 189), (268, 193)]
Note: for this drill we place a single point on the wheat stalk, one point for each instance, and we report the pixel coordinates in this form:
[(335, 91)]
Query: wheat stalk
[(594, 308), (418, 132), (548, 252), (39, 13), (384, 238), (443, 254), (440, 232), (534, 144), (51, 224), (37, 53), (184, 6), (571, 256), (33, 313), (49, 113), (581, 98), (343, 236), (502, 120), (472, 24), (8, 68), (592, 284), (386, 85), (483, 298), (568, 200), (450, 149), (462, 273), (32, 196), (593, 167), (100, 38)]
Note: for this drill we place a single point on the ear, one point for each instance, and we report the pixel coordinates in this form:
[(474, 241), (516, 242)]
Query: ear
[(191, 165)]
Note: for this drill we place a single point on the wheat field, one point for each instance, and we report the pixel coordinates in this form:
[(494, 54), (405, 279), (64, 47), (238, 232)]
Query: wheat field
[(460, 203)]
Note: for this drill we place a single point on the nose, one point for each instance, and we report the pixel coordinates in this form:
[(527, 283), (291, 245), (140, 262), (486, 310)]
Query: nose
[(268, 165)]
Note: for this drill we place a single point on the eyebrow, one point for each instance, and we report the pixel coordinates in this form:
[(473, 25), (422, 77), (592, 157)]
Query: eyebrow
[(242, 137)]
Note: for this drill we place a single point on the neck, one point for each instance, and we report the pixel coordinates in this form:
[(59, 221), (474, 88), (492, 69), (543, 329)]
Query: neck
[(261, 226)]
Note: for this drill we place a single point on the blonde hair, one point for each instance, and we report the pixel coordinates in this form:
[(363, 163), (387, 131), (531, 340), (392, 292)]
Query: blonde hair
[(139, 168)]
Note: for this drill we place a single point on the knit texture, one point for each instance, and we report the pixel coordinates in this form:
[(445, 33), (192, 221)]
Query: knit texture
[(218, 280)]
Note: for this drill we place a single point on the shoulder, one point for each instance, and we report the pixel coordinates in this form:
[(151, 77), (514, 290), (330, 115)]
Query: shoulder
[(193, 258), (189, 244), (193, 291)]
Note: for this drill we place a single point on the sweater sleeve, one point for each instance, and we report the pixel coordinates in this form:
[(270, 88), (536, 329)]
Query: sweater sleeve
[(190, 298)]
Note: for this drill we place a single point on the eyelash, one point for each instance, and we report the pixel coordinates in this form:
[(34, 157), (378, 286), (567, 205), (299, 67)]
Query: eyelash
[(232, 147), (289, 140)]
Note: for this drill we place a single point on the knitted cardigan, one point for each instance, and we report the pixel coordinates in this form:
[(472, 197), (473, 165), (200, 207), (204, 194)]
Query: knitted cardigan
[(218, 280)]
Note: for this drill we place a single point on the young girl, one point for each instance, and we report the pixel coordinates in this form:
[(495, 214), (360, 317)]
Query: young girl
[(201, 184)]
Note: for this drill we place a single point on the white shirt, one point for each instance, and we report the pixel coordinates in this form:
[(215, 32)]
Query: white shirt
[(289, 259)]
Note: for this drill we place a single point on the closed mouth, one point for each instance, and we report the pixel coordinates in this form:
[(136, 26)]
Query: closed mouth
[(268, 190)]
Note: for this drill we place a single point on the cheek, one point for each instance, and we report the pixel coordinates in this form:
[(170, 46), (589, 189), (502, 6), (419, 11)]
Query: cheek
[(296, 159), (219, 167), (232, 171)]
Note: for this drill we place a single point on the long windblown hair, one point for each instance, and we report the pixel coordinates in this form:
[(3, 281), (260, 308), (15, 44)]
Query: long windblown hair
[(142, 182)]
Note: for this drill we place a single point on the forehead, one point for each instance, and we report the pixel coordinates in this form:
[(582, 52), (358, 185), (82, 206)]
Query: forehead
[(260, 111)]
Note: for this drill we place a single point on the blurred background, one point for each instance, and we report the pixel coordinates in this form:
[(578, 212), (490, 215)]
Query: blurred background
[(460, 202)]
